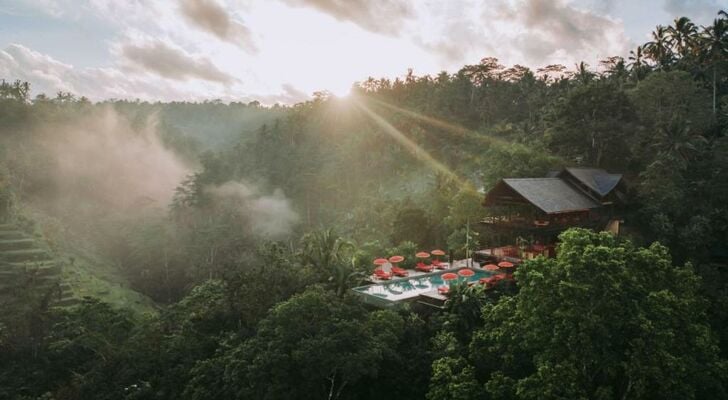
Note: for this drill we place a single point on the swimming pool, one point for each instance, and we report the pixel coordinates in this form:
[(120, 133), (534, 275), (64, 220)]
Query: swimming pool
[(403, 289)]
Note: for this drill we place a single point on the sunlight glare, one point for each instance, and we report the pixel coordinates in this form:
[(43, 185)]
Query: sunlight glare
[(414, 148), (341, 92)]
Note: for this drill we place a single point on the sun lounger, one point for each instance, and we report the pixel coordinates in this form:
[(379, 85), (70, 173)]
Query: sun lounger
[(381, 274), (397, 271), (442, 265), (424, 267)]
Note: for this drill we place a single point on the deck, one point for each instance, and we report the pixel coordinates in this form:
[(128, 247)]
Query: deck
[(415, 273)]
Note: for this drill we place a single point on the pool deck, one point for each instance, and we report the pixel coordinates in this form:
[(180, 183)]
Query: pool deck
[(458, 264), (429, 298), (434, 295)]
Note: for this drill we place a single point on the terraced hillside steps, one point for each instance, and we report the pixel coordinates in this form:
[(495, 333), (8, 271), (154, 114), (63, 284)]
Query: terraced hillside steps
[(16, 244), (27, 267), (24, 255), (6, 234)]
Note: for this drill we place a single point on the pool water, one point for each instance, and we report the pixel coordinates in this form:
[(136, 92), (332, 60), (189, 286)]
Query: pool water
[(402, 289)]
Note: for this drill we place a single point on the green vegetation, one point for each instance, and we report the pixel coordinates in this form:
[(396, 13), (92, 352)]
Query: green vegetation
[(209, 248)]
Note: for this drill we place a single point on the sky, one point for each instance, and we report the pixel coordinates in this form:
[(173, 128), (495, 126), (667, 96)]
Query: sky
[(282, 51)]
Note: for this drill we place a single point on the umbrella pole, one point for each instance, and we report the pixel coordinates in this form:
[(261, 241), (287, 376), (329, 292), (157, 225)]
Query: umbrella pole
[(467, 241)]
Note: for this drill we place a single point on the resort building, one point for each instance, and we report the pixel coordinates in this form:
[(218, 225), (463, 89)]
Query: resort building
[(536, 210), (530, 212)]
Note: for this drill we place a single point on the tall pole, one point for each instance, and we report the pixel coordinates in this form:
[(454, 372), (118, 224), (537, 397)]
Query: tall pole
[(467, 242)]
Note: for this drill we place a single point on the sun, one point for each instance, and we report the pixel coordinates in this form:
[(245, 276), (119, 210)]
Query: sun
[(341, 92)]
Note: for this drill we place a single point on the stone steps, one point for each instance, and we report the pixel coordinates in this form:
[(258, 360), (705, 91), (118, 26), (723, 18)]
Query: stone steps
[(16, 244), (51, 270), (25, 265), (7, 272), (25, 255), (71, 301), (32, 264), (11, 234), (32, 268)]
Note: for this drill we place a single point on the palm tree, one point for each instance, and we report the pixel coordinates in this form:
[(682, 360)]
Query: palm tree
[(637, 61), (682, 35), (678, 142), (714, 42), (582, 73), (659, 48), (614, 67), (331, 255)]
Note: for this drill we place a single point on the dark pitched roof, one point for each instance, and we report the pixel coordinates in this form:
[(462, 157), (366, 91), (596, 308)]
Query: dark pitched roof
[(596, 179), (551, 195)]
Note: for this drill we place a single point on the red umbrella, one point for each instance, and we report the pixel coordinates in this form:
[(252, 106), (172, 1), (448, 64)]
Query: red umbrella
[(422, 254), (396, 259), (466, 272), (505, 264), (437, 253), (380, 261), (491, 267), (448, 276)]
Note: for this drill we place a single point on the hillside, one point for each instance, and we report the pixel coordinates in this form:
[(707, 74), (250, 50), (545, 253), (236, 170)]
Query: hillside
[(60, 276)]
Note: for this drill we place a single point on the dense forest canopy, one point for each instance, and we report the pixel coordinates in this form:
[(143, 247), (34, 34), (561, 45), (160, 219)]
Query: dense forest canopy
[(246, 226)]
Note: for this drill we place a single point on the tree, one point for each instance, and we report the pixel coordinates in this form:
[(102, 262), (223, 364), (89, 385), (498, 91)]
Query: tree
[(664, 98), (682, 35), (332, 258), (605, 319), (312, 346), (453, 379), (675, 113), (659, 49), (464, 206), (714, 41), (592, 123), (637, 62), (582, 73), (82, 342), (615, 68), (18, 90), (411, 223)]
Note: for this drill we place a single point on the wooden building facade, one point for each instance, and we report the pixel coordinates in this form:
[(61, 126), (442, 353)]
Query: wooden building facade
[(541, 208)]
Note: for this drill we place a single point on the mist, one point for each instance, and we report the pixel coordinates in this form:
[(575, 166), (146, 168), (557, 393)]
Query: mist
[(271, 216), (99, 159)]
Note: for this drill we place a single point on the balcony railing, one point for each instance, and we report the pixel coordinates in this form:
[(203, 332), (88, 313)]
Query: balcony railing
[(556, 222)]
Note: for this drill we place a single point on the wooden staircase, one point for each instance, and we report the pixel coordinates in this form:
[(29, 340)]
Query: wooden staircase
[(29, 270)]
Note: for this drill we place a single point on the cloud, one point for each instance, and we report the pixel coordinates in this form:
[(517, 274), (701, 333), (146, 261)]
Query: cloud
[(454, 33), (289, 95), (384, 16), (699, 10), (48, 75), (534, 32), (555, 27), (212, 18), (171, 62)]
